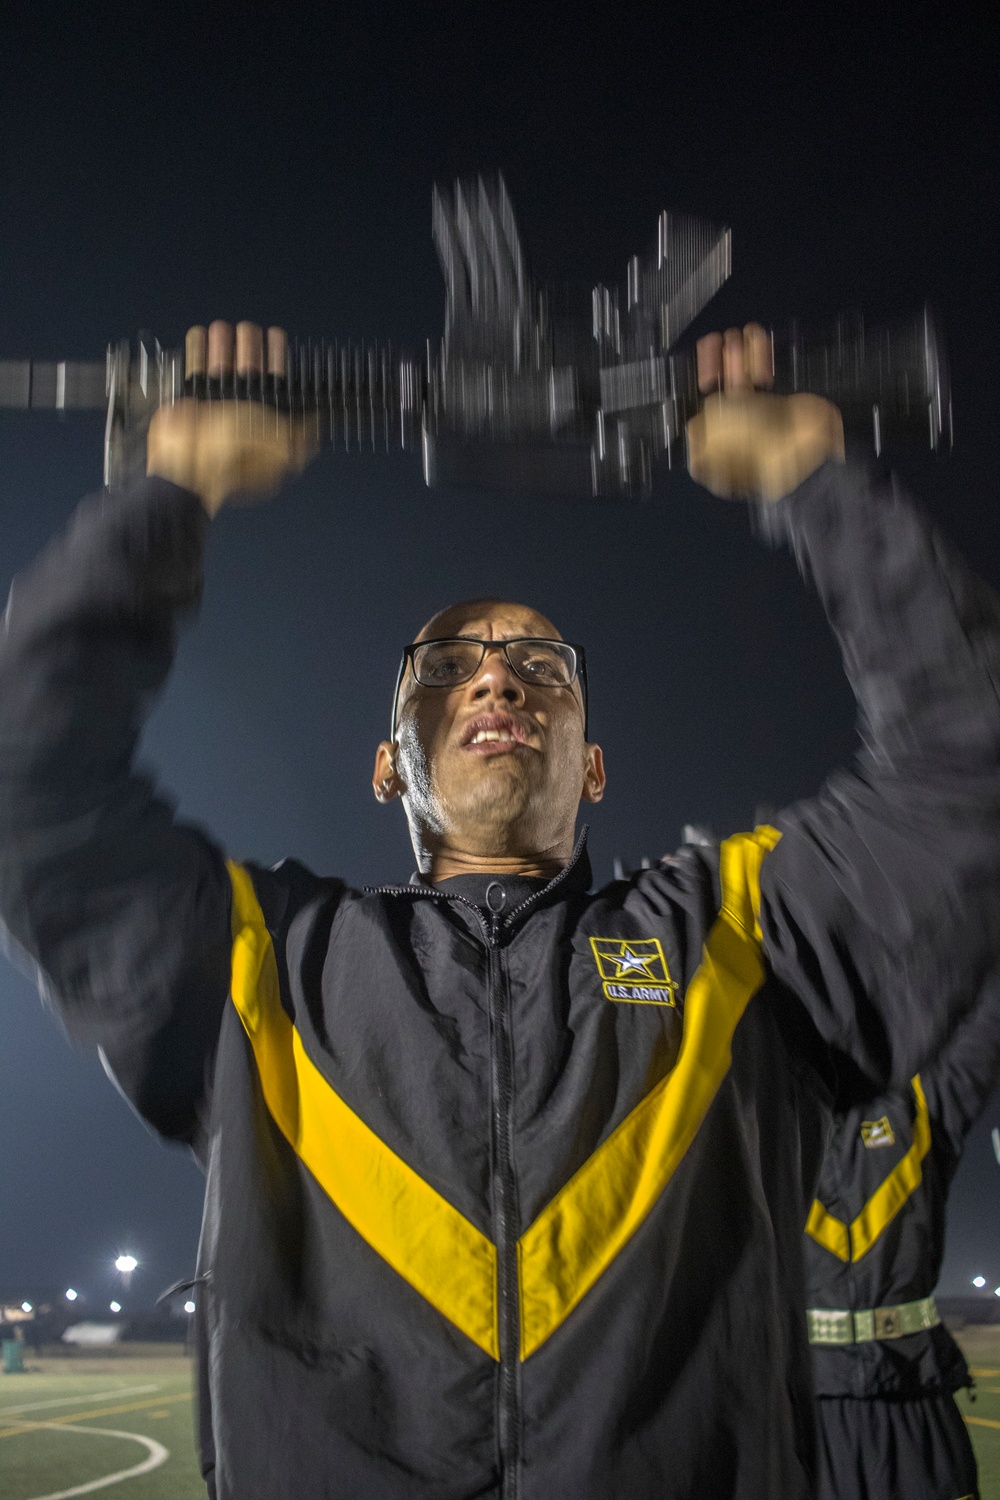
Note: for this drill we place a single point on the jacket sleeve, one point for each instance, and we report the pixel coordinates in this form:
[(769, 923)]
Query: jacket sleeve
[(881, 902), (959, 1081), (123, 913)]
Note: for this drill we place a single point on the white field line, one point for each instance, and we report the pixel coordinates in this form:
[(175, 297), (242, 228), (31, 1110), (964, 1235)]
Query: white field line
[(132, 1390), (156, 1455)]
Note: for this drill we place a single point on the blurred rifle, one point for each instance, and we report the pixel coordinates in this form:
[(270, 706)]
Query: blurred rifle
[(532, 389)]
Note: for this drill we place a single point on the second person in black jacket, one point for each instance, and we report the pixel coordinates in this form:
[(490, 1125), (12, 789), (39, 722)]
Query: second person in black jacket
[(885, 1365)]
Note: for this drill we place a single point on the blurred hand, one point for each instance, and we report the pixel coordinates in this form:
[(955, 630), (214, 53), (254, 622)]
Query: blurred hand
[(226, 450), (745, 444)]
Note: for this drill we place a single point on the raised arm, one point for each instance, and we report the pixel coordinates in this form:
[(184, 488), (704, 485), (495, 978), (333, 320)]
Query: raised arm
[(881, 902), (123, 912)]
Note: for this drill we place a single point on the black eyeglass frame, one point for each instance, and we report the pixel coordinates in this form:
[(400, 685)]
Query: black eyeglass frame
[(579, 675)]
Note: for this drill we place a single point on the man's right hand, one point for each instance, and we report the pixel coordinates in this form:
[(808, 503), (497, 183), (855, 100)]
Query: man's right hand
[(226, 450)]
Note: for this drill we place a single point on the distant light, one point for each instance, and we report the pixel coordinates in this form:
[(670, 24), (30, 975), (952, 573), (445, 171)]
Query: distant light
[(189, 1307), (996, 1291), (71, 1296), (126, 1264), (979, 1281), (25, 1306), (116, 1307)]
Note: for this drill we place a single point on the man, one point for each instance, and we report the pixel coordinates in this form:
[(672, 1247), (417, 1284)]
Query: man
[(885, 1365), (507, 1180)]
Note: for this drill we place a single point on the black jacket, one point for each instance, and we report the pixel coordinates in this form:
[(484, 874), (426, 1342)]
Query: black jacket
[(875, 1232), (513, 1205)]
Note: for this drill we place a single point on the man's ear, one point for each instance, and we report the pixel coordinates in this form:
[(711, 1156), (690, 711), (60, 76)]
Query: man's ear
[(386, 781), (594, 779)]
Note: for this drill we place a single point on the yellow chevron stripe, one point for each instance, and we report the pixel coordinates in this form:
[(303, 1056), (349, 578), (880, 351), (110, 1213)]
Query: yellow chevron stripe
[(578, 1234), (851, 1242), (886, 1201), (428, 1242), (832, 1233), (439, 1252)]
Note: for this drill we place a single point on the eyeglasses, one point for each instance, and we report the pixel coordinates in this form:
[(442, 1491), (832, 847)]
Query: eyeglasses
[(450, 662)]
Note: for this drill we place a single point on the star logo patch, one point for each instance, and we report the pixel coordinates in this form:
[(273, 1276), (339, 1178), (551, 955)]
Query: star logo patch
[(877, 1133), (634, 970)]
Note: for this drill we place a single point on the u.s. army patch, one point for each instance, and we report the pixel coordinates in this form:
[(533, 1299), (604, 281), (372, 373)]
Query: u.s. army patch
[(634, 970), (877, 1132)]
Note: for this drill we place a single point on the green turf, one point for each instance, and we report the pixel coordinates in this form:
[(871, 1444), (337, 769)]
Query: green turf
[(40, 1461), (148, 1396), (981, 1346)]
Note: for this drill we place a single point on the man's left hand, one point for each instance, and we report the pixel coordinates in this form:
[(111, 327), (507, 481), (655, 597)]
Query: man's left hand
[(745, 444)]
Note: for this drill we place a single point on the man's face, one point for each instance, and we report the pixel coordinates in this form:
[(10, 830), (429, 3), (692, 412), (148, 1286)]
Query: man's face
[(495, 764)]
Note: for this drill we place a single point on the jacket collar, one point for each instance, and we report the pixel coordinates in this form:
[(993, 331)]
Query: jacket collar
[(574, 877)]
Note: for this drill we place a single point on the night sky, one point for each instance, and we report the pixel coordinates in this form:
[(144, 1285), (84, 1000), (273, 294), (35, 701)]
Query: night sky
[(164, 165)]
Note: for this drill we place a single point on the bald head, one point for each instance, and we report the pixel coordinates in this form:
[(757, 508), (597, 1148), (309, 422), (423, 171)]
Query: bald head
[(472, 615)]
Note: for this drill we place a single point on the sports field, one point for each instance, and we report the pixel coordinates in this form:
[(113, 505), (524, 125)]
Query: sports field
[(982, 1349), (73, 1427)]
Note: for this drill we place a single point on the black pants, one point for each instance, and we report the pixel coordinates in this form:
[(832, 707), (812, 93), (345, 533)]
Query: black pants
[(894, 1450)]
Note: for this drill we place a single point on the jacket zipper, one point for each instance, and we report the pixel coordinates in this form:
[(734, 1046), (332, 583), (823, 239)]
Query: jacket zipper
[(506, 1218), (505, 1187), (505, 1195), (502, 1063)]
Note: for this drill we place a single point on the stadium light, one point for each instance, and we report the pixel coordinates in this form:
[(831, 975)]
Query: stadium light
[(189, 1307), (26, 1307), (996, 1291), (126, 1264), (116, 1307), (979, 1281), (71, 1295)]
